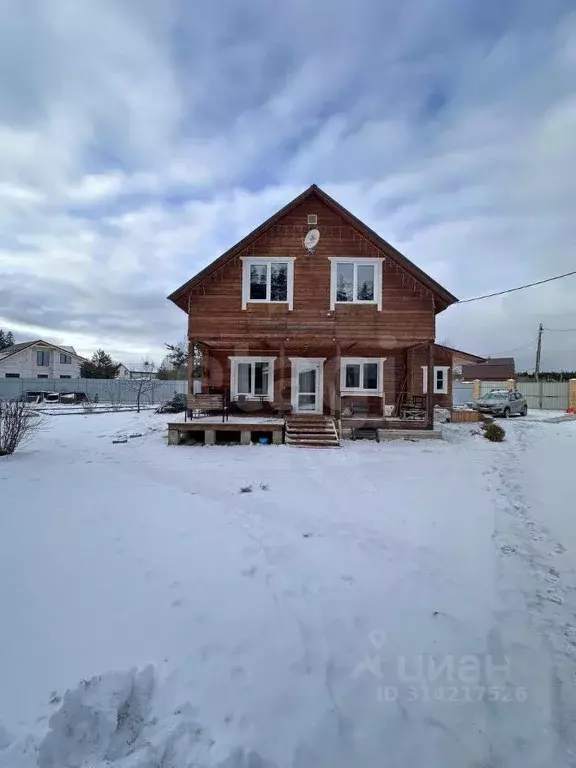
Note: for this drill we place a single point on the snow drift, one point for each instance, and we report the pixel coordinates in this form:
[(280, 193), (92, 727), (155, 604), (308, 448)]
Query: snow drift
[(109, 720)]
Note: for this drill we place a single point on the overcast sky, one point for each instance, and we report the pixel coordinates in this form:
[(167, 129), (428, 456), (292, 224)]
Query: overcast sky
[(138, 140)]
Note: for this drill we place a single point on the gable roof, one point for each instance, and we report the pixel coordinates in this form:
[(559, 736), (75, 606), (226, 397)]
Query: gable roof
[(461, 353), (492, 369), (446, 298), (12, 350)]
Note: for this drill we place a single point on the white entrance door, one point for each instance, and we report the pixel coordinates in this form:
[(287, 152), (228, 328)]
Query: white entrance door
[(307, 384)]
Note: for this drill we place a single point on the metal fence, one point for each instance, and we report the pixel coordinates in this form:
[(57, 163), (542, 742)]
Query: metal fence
[(553, 394), (462, 392), (99, 390)]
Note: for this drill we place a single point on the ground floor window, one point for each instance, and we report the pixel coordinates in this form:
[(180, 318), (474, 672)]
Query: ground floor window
[(12, 375), (42, 375), (64, 376), (440, 379), (361, 375), (252, 377)]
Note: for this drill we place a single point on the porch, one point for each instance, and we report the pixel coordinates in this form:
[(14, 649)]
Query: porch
[(352, 383)]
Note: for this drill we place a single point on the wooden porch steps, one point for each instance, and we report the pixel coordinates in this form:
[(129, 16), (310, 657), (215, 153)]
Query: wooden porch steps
[(311, 431)]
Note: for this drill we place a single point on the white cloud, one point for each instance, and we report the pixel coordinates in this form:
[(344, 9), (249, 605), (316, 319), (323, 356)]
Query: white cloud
[(137, 141)]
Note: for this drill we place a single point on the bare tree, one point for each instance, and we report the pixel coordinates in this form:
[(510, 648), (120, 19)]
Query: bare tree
[(146, 383), (18, 422)]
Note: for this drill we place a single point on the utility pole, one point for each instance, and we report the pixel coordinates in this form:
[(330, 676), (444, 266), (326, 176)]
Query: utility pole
[(537, 368)]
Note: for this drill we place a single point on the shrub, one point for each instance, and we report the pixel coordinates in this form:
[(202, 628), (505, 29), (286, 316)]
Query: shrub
[(493, 432), (176, 404), (18, 422)]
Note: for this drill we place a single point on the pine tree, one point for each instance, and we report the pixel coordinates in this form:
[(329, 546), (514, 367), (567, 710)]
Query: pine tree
[(101, 366), (6, 339)]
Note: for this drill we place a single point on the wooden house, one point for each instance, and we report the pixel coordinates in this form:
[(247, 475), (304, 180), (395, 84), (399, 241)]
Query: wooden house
[(338, 323)]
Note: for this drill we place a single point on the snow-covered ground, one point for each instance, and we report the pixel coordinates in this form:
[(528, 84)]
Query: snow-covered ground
[(401, 604)]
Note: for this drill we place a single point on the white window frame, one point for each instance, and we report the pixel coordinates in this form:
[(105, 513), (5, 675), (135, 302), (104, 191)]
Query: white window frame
[(437, 391), (235, 360), (376, 263), (249, 261), (344, 390)]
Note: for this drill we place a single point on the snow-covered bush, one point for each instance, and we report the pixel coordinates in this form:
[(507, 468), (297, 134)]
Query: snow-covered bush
[(18, 422), (493, 432)]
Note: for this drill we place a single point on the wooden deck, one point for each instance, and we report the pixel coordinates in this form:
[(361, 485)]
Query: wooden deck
[(210, 426)]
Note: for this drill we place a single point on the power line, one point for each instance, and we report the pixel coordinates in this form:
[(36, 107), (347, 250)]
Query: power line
[(511, 351), (560, 330), (519, 288)]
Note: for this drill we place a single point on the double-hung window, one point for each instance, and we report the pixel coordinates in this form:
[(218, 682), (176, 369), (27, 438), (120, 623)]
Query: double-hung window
[(440, 379), (268, 280), (362, 375), (252, 377), (356, 281)]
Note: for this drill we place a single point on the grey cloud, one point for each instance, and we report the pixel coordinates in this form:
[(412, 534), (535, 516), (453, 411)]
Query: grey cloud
[(129, 133)]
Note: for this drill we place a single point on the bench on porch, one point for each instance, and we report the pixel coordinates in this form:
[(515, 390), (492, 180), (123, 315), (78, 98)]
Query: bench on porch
[(207, 403)]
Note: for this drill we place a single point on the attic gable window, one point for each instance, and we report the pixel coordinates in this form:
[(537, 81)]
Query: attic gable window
[(268, 280), (356, 281)]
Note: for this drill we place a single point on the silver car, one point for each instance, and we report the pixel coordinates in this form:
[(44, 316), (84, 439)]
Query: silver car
[(502, 402)]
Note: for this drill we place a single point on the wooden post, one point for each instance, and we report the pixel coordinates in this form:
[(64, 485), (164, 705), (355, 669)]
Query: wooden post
[(191, 366), (430, 387), (336, 378), (205, 369), (475, 389), (281, 378)]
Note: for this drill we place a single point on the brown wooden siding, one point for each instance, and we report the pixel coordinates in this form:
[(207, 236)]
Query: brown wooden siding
[(419, 357), (216, 314), (217, 372)]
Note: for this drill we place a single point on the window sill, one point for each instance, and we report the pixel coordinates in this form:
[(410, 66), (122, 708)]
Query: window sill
[(361, 393), (266, 301), (370, 303)]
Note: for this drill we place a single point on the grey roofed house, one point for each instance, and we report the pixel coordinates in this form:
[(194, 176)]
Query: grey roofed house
[(493, 369)]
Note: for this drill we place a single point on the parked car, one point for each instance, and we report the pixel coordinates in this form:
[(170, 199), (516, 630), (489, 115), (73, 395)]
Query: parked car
[(502, 402)]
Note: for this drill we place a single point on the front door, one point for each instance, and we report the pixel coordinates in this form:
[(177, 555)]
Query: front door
[(307, 383)]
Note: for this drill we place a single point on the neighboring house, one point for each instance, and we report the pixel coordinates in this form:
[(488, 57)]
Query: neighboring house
[(460, 359), (347, 326), (125, 373), (492, 369), (39, 360)]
